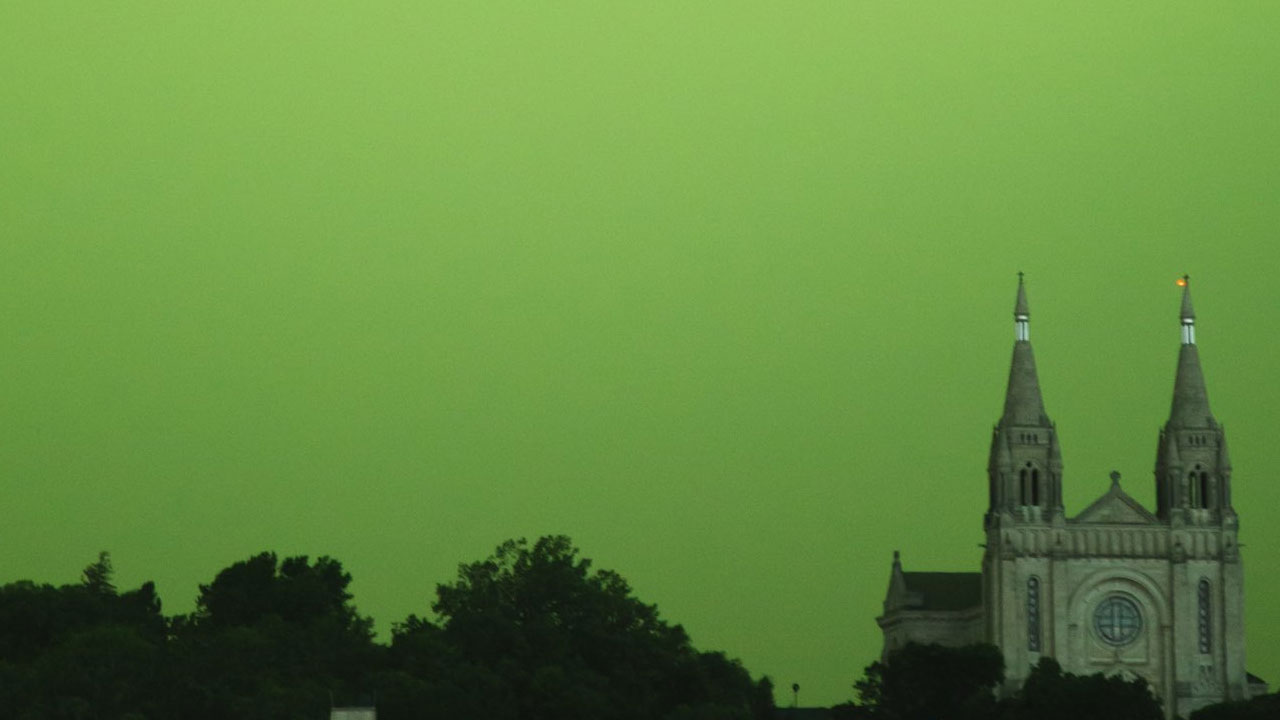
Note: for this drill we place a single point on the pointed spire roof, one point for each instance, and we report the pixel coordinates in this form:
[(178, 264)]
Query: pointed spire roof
[(896, 596), (1020, 307), (1190, 398), (1190, 407), (1023, 404)]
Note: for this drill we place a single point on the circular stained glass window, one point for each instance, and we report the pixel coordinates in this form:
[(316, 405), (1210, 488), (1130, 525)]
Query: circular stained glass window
[(1117, 620)]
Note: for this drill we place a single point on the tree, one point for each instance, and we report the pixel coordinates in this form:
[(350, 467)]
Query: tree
[(34, 618), (1051, 694), (81, 650), (923, 682), (110, 668), (97, 576), (269, 639), (1265, 707), (531, 632), (293, 590), (425, 675), (568, 642)]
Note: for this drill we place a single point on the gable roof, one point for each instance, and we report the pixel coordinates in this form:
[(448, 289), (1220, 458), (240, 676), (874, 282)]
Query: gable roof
[(1115, 507), (943, 590)]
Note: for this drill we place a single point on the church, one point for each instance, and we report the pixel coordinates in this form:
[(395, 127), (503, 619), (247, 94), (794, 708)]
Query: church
[(1115, 589)]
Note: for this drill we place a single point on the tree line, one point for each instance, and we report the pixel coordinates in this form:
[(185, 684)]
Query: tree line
[(932, 682), (531, 632)]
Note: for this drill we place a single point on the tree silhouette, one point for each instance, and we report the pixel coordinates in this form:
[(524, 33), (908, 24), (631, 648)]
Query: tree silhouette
[(923, 682), (531, 632), (269, 639), (570, 642), (1051, 694), (1265, 707), (97, 576)]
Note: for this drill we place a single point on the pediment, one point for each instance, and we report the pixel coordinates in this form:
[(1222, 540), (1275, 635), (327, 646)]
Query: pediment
[(1116, 508)]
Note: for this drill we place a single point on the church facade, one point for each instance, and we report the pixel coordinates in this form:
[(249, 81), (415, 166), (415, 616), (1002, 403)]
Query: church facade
[(1115, 589)]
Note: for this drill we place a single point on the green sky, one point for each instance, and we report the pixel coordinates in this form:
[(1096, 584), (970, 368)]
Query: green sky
[(722, 290)]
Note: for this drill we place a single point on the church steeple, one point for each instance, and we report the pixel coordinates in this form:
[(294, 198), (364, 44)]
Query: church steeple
[(1193, 473), (1023, 404), (1190, 398), (1025, 470)]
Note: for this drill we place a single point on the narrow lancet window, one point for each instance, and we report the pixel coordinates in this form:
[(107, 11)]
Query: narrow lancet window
[(1033, 614), (1204, 490), (1206, 644), (1035, 487), (1193, 487)]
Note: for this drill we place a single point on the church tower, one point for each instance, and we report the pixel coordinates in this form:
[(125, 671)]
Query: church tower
[(1024, 475), (1193, 499), (1193, 470), (1025, 466)]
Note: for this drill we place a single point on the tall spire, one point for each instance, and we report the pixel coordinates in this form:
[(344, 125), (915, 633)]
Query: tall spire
[(1193, 469), (1023, 404), (1190, 398), (1025, 470)]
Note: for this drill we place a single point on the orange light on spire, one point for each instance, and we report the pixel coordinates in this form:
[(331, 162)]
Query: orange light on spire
[(1182, 282)]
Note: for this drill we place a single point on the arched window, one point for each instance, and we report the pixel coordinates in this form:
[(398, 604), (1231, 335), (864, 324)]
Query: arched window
[(1193, 487), (1035, 487), (1204, 489), (1022, 487), (1206, 644), (1033, 614)]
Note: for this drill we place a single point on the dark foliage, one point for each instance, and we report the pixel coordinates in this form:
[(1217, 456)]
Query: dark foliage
[(529, 633), (269, 639), (79, 651), (563, 641), (925, 682), (1266, 707), (931, 682), (1051, 694)]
